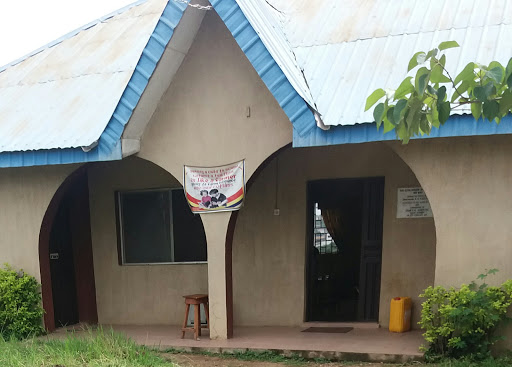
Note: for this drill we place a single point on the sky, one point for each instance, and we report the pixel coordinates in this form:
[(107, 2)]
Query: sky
[(26, 25)]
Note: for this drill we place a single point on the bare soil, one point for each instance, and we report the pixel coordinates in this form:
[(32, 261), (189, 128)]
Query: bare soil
[(199, 360)]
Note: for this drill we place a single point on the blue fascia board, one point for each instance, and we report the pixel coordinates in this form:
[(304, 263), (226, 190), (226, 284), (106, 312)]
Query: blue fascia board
[(457, 125), (59, 156), (291, 102), (109, 144)]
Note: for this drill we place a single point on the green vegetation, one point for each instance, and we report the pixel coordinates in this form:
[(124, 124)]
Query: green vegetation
[(95, 349), (489, 362), (20, 305), (460, 323), (253, 355), (421, 102)]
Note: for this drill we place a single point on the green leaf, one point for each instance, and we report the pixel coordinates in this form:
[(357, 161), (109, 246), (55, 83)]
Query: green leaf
[(448, 44), (388, 126), (468, 73), (374, 97), (495, 74), (425, 126), (437, 75), (435, 116), (399, 110), (378, 113), (404, 89), (483, 93), (509, 82), (444, 112), (461, 89), (390, 115), (421, 80), (441, 95), (508, 69), (402, 133), (415, 60), (442, 60), (491, 109), (412, 118), (431, 53), (505, 103), (476, 110)]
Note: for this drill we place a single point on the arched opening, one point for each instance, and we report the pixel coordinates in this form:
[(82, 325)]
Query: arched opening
[(65, 256), (229, 241), (149, 249), (129, 245), (397, 254)]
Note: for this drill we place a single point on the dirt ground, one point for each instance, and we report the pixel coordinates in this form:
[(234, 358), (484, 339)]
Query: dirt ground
[(198, 360)]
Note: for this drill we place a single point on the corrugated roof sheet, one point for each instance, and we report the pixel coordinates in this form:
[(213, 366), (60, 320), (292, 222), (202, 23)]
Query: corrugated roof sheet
[(348, 48), (64, 95)]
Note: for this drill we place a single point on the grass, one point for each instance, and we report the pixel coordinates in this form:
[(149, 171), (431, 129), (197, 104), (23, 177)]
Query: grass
[(498, 362), (95, 349), (101, 348), (269, 356)]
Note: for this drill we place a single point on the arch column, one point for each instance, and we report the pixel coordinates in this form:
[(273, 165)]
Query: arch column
[(219, 279)]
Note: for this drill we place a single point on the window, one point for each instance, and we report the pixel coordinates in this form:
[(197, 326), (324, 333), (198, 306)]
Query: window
[(158, 227)]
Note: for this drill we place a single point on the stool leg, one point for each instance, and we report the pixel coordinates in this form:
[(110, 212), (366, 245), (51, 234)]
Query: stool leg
[(197, 322), (187, 309), (207, 313)]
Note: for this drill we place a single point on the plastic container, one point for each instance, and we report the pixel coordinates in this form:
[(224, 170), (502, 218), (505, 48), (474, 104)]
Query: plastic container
[(400, 314)]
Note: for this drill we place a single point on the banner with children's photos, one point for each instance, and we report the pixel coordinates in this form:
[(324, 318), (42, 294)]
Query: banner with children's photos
[(215, 189)]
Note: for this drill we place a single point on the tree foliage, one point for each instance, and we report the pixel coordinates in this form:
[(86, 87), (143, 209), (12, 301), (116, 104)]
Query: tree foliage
[(421, 101)]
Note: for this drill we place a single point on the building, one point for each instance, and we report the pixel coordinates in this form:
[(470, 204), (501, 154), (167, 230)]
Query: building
[(95, 130)]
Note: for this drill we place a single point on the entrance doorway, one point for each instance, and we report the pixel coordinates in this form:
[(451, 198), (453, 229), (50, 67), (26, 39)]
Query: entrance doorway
[(62, 268), (65, 249), (344, 249)]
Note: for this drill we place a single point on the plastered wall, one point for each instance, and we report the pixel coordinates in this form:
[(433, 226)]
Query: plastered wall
[(135, 294), (203, 120), (468, 181), (25, 194), (216, 111), (269, 251)]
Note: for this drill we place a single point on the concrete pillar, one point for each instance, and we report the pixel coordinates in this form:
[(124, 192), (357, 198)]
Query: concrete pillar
[(215, 226)]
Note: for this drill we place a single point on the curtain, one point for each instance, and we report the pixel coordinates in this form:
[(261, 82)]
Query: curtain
[(334, 225)]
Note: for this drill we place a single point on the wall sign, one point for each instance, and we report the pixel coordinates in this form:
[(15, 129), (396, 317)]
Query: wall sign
[(412, 203), (215, 189)]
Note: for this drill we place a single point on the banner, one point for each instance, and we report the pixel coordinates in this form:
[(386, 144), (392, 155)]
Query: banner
[(215, 189)]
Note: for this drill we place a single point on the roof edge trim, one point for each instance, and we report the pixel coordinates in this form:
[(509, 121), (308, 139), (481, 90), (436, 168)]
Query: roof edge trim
[(293, 105), (456, 126)]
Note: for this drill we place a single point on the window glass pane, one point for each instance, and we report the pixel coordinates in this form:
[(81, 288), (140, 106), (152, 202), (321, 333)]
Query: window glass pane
[(146, 226), (189, 235)]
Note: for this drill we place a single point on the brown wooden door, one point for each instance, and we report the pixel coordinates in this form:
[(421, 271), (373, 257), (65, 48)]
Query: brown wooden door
[(371, 249)]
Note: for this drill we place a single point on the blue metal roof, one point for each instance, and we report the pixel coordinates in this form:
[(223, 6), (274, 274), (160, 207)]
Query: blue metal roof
[(108, 144)]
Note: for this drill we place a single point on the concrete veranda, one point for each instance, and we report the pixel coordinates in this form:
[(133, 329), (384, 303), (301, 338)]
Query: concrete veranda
[(361, 344)]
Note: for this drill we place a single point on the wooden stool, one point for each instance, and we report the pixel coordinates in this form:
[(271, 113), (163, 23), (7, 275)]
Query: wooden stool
[(196, 300)]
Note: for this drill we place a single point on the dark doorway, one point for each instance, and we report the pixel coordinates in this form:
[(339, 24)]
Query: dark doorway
[(62, 269), (344, 249), (69, 251)]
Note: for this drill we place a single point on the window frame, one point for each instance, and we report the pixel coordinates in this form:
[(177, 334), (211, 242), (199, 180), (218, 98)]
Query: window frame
[(120, 231)]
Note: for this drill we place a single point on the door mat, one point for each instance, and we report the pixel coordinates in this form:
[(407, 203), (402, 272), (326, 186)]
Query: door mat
[(333, 330)]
